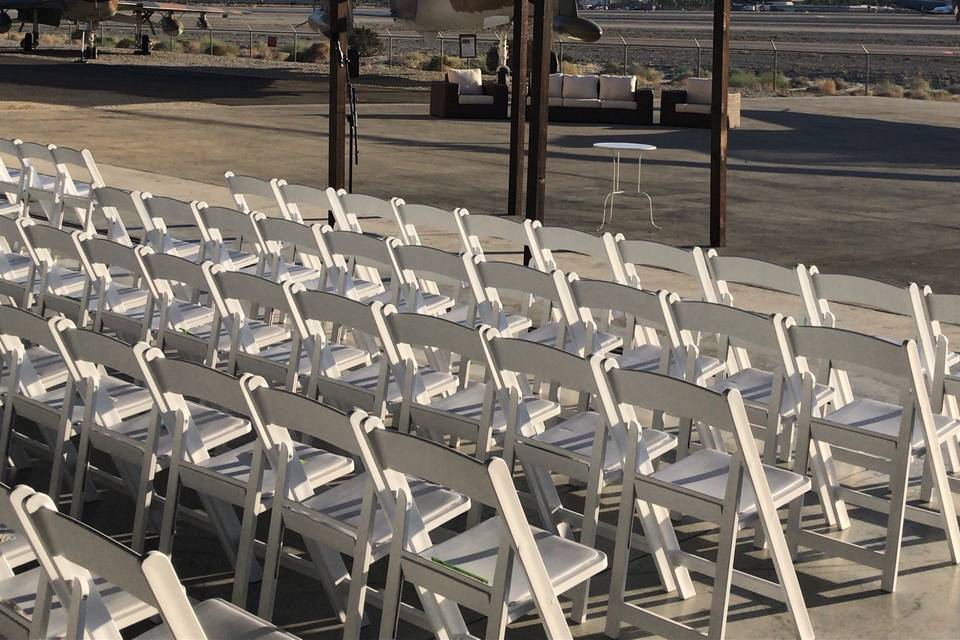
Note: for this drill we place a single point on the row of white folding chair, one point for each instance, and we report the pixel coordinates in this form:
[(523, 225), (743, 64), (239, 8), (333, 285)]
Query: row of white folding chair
[(102, 587), (57, 178)]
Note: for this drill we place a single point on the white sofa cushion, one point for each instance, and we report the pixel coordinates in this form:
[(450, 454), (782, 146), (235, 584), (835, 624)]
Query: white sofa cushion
[(583, 103), (617, 87), (556, 85), (693, 108), (472, 99), (579, 87), (618, 104), (699, 90), (470, 81), (554, 102)]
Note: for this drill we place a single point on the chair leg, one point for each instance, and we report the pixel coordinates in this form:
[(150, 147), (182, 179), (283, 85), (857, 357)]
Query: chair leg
[(332, 573), (80, 475), (787, 575), (898, 504), (826, 481), (271, 565), (723, 579)]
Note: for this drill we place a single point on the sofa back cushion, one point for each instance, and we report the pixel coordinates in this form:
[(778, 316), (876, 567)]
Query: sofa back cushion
[(556, 85), (620, 88), (699, 90), (580, 87), (470, 81)]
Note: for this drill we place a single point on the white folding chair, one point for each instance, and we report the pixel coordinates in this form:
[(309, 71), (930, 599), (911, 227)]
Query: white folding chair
[(546, 242), (42, 181), (731, 490), (117, 208), (414, 219), (256, 194), (345, 519), (870, 433), (478, 230), (78, 177), (632, 261), (349, 208), (17, 269), (581, 445), (18, 585), (124, 420), (119, 297), (501, 568), (170, 226), (63, 286), (104, 587), (361, 265), (12, 175), (230, 238), (422, 271), (304, 204), (290, 251), (724, 271)]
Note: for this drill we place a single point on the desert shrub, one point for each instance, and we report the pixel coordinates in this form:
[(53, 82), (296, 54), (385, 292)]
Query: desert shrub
[(47, 39), (742, 79), (312, 52), (800, 82), (220, 48), (888, 89), (611, 68), (126, 43), (842, 85), (415, 60), (954, 88), (435, 63), (646, 75), (941, 95), (918, 89), (766, 81), (569, 67), (171, 44), (366, 41), (679, 74), (826, 86)]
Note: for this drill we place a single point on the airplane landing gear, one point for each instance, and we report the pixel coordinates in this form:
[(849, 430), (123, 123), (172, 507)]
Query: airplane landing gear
[(28, 43), (144, 45)]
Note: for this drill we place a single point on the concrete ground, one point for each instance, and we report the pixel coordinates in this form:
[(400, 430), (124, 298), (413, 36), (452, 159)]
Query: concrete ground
[(865, 186)]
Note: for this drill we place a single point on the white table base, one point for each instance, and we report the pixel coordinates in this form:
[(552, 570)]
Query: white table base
[(618, 191)]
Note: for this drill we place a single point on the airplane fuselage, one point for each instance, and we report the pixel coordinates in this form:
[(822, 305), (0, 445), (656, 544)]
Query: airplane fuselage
[(90, 10), (452, 15)]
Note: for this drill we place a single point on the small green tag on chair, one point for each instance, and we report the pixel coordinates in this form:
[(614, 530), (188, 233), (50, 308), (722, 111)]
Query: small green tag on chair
[(461, 570)]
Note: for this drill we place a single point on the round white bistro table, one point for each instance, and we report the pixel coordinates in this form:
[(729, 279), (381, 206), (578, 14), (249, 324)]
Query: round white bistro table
[(616, 149)]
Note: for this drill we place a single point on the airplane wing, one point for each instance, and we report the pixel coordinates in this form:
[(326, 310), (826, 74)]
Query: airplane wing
[(30, 4), (148, 5)]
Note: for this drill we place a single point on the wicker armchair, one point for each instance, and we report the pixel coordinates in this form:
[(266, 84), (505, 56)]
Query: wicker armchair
[(447, 102)]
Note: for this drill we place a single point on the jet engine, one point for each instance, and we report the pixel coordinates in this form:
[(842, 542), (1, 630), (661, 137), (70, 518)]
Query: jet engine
[(171, 26), (6, 23)]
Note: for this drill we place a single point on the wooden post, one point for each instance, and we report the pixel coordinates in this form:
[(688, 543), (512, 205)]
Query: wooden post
[(336, 175), (518, 107), (539, 89), (719, 123)]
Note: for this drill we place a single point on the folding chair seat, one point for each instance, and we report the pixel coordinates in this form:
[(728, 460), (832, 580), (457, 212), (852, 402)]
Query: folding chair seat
[(546, 242), (17, 269), (292, 252), (491, 281), (344, 519), (361, 266), (63, 285), (258, 344), (12, 175), (502, 567), (659, 264), (256, 194), (734, 491), (227, 479), (581, 445), (42, 182), (478, 230), (124, 422), (230, 238), (414, 219), (79, 176), (304, 204), (117, 208), (21, 613), (119, 296), (77, 560), (885, 437), (170, 226), (349, 208)]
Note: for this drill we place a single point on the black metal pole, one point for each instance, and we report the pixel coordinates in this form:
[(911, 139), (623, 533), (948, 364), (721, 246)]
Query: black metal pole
[(719, 123), (539, 89), (518, 114)]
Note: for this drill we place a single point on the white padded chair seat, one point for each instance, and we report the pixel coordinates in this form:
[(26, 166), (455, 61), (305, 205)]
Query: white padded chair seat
[(756, 386), (20, 591), (345, 356), (221, 619), (319, 466), (18, 267), (706, 472), (884, 418), (186, 249), (576, 435), (619, 104), (686, 107), (431, 304), (515, 323), (475, 550), (582, 103), (470, 99), (469, 403), (647, 358), (435, 382), (48, 365), (552, 101), (129, 399), (436, 504), (547, 335)]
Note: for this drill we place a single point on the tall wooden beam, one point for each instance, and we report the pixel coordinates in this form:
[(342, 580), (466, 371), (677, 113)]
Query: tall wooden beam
[(539, 89), (719, 123), (518, 107), (339, 14)]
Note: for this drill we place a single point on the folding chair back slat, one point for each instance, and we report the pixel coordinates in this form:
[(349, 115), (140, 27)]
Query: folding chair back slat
[(604, 294), (545, 241), (861, 292), (742, 328), (26, 326), (103, 251), (439, 265), (414, 219), (164, 266), (626, 255), (174, 213), (247, 287), (121, 210), (297, 413), (849, 348), (422, 330), (329, 307), (255, 194), (508, 276), (304, 203), (196, 381), (543, 362), (755, 273), (85, 346), (365, 249)]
